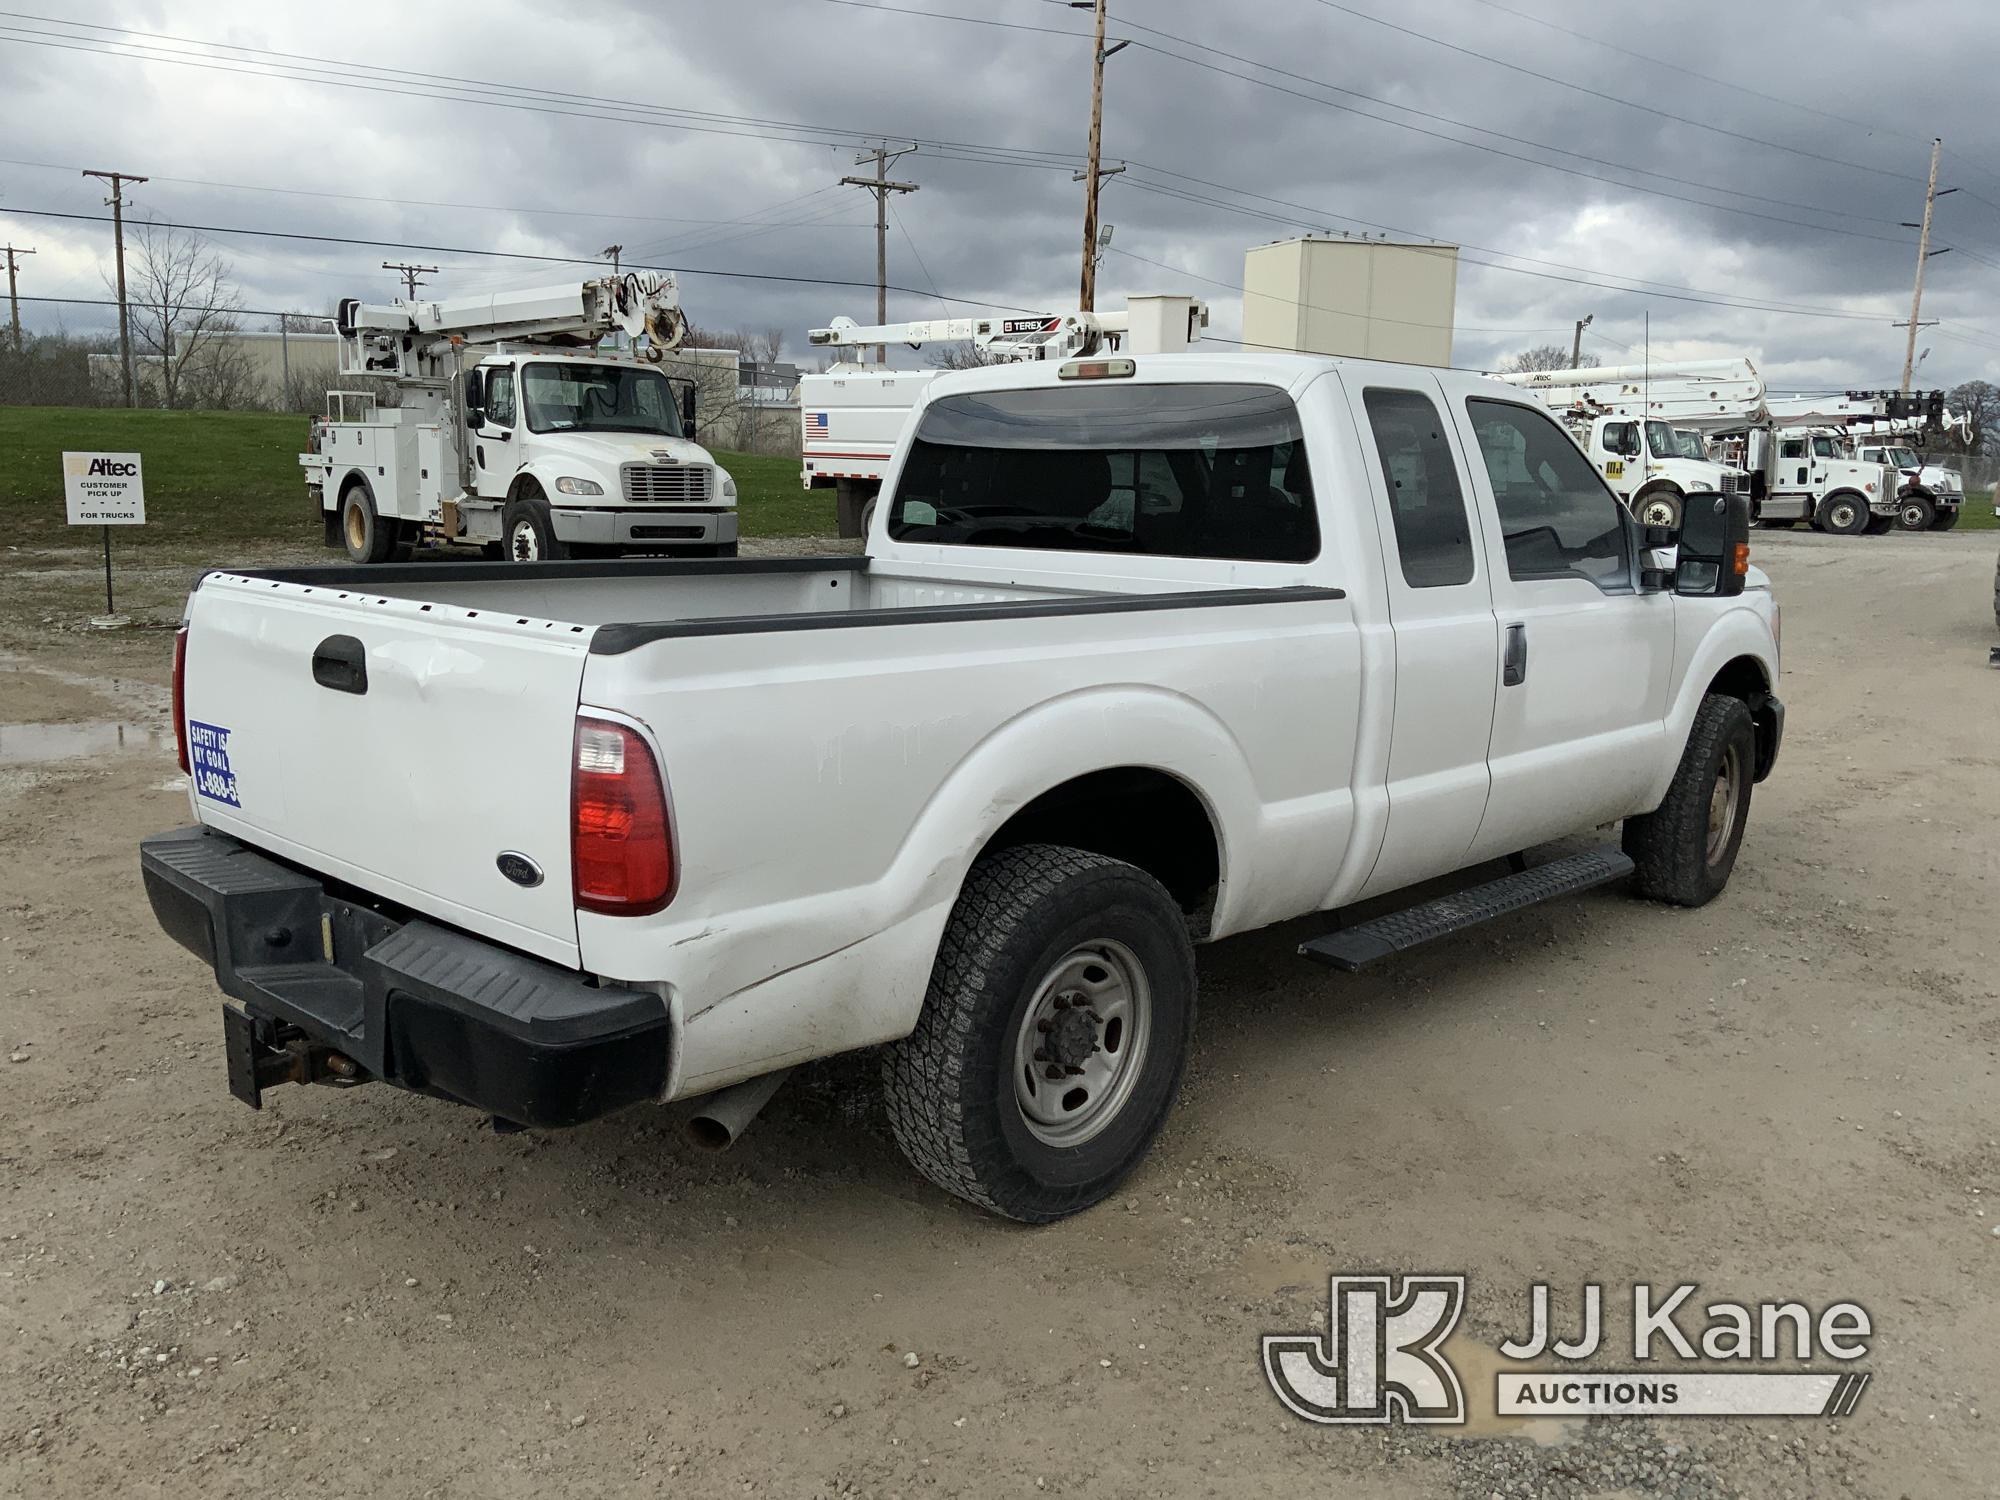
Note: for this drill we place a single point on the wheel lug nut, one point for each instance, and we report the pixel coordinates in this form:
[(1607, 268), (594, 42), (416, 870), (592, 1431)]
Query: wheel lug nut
[(1045, 1025), (1052, 1071), (1041, 1054)]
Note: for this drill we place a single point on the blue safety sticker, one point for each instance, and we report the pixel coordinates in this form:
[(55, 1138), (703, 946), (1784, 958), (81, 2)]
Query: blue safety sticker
[(208, 761)]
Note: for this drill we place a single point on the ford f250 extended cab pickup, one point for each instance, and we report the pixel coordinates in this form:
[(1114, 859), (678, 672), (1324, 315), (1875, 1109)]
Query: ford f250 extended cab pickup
[(1142, 653)]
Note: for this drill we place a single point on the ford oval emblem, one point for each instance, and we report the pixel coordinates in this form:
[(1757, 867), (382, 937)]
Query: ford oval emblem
[(520, 869)]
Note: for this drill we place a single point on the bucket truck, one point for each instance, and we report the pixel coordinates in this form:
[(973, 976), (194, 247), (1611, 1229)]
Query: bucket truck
[(851, 414), (1625, 417), (515, 431), (1885, 427)]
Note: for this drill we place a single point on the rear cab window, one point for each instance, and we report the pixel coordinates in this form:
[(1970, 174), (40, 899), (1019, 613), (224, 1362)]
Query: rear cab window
[(1195, 470)]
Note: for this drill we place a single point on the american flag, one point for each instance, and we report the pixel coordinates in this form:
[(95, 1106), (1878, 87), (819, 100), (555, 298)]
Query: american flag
[(815, 424)]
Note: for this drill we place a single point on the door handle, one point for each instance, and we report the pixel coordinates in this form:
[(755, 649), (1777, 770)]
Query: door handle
[(1514, 664), (340, 662)]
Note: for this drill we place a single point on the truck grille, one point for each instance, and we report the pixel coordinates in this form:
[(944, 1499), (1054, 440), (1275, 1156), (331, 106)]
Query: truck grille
[(665, 484), (1734, 481)]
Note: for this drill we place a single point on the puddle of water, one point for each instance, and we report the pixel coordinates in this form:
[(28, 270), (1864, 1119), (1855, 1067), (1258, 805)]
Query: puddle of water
[(32, 744)]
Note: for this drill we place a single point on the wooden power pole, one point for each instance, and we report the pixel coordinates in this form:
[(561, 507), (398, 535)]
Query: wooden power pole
[(1924, 253), (413, 276), (1576, 343), (1093, 174), (13, 292), (881, 187), (116, 203)]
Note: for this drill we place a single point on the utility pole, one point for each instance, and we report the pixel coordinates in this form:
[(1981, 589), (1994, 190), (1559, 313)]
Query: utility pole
[(611, 253), (1924, 253), (1576, 344), (881, 187), (413, 276), (116, 203), (13, 294), (1093, 174)]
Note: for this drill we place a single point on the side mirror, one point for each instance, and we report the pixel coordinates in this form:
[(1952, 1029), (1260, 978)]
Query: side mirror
[(1714, 546), (475, 399), (687, 409)]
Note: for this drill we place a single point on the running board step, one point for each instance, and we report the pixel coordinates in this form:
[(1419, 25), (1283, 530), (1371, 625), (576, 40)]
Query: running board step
[(1356, 947)]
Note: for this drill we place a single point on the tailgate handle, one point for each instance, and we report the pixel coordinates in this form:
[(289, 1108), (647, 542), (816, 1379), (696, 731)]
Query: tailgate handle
[(340, 662)]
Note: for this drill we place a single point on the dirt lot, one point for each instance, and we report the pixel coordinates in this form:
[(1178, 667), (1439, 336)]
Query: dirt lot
[(1790, 1094)]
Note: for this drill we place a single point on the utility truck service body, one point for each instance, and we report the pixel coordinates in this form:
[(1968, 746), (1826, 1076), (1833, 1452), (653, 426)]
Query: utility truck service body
[(1142, 653), (513, 430)]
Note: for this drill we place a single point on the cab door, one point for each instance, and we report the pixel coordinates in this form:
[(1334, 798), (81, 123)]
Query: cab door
[(1441, 609), (494, 441), (1583, 660)]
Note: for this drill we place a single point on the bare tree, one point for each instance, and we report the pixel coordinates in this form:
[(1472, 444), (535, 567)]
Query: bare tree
[(1544, 357), (183, 311), (960, 357), (1980, 398)]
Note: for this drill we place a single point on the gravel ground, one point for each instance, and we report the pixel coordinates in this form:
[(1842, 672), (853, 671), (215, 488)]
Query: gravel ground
[(1786, 1095)]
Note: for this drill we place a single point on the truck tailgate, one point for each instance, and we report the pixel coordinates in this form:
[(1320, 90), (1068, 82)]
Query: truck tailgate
[(398, 745)]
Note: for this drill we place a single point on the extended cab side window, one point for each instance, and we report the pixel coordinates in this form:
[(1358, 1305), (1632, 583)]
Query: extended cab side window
[(1433, 535), (500, 397), (1167, 470), (1559, 518)]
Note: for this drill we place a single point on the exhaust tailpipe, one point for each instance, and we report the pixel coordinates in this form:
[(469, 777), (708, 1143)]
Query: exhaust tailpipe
[(725, 1114)]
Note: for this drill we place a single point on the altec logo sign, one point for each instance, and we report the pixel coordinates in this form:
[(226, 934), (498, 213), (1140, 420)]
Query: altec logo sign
[(1383, 1358), (104, 489)]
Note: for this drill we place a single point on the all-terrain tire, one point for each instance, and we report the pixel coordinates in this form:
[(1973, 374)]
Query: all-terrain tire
[(953, 1099), (1686, 848)]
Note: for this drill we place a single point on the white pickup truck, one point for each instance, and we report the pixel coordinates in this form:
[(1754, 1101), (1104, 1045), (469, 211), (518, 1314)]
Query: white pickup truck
[(1142, 653)]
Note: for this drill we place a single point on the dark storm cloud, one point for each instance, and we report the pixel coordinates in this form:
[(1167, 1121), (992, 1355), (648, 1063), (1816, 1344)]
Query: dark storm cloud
[(1009, 234)]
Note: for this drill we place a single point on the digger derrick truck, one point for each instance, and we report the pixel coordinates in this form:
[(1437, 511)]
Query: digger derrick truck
[(1628, 419), (851, 414), (513, 430)]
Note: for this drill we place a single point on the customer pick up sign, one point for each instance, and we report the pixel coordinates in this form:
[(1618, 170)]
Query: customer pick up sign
[(104, 489)]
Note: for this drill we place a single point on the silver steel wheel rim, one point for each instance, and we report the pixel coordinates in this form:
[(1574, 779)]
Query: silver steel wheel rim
[(1722, 800), (1659, 513), (527, 547), (1914, 518), (1843, 516), (1089, 1022)]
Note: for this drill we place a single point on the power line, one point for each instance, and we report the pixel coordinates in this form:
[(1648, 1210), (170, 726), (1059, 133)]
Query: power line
[(563, 260)]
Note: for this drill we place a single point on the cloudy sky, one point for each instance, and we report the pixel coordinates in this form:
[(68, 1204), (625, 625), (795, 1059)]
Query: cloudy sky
[(1612, 160)]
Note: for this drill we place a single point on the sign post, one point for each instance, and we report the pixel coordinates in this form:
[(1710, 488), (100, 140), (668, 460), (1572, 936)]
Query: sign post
[(105, 490)]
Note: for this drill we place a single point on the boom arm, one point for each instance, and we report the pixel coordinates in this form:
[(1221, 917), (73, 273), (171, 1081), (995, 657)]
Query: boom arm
[(411, 339), (1064, 336)]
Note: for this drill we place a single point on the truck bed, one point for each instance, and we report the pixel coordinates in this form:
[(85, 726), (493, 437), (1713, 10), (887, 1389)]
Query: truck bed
[(620, 605)]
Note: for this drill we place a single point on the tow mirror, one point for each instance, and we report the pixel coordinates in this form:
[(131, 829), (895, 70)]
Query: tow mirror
[(1714, 558)]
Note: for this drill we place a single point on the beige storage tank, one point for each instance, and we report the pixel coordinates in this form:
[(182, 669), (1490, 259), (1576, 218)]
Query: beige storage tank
[(1371, 299)]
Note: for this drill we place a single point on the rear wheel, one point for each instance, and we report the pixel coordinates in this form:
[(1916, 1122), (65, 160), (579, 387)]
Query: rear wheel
[(529, 535), (1843, 515), (1686, 848), (1915, 513), (1879, 524), (1052, 1037), (367, 537)]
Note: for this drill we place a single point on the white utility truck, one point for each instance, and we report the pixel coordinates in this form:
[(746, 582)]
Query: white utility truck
[(1142, 653), (515, 431), (1625, 416), (851, 414)]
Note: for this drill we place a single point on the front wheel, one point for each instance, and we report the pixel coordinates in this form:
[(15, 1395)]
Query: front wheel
[(1915, 513), (1686, 848), (1843, 515), (528, 533), (1052, 1037), (1658, 507)]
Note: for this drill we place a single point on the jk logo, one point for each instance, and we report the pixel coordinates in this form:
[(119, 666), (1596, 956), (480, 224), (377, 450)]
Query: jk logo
[(1380, 1359)]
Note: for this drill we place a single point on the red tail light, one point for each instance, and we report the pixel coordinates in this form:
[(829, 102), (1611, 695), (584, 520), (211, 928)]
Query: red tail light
[(180, 696), (621, 844)]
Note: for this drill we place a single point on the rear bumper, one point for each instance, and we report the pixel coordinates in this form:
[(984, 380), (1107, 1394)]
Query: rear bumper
[(411, 1003), (645, 528)]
